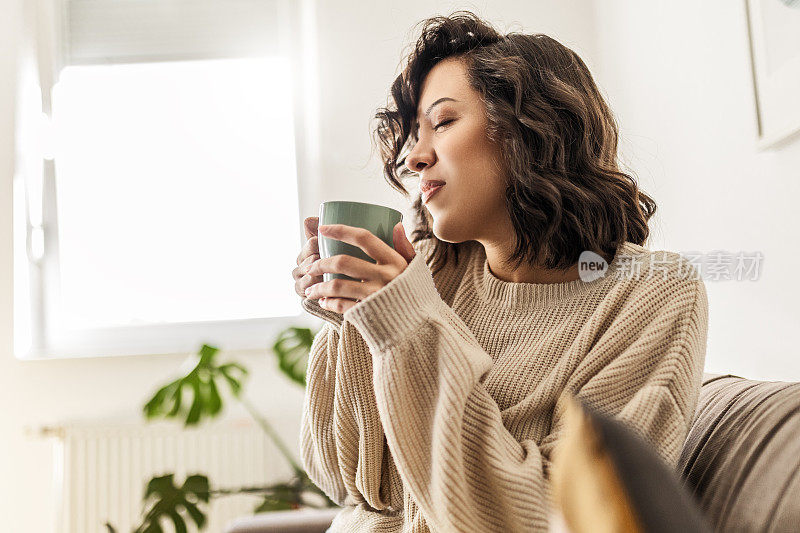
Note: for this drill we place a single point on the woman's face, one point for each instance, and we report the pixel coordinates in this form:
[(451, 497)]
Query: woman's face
[(453, 147)]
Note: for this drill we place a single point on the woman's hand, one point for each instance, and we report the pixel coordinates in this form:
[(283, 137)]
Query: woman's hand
[(309, 253), (339, 295)]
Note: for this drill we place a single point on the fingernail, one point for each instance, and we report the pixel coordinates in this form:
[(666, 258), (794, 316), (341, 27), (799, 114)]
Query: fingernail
[(308, 290)]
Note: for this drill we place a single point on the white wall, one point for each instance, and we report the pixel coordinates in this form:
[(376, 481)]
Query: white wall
[(677, 74), (359, 49)]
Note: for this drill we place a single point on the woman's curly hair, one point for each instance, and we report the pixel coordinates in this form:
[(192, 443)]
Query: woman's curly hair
[(565, 192)]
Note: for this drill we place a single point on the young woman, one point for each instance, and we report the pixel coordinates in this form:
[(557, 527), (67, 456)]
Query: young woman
[(434, 388)]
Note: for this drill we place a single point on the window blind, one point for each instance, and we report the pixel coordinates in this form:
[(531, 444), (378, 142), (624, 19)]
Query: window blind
[(125, 31)]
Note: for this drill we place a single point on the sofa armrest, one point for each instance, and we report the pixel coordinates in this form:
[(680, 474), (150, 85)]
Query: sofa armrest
[(292, 521)]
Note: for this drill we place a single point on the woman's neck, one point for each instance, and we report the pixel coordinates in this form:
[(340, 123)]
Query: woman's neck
[(526, 273)]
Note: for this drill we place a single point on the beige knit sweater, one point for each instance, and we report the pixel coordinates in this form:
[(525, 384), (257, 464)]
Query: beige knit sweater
[(433, 404)]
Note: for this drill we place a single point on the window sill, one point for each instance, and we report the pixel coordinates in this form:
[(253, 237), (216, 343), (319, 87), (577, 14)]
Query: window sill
[(257, 335)]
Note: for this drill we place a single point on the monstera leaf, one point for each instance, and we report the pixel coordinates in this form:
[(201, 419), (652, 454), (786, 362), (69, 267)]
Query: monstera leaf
[(168, 500), (168, 401), (292, 348)]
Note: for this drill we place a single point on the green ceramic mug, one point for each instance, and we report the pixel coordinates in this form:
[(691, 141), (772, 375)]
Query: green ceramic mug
[(378, 219)]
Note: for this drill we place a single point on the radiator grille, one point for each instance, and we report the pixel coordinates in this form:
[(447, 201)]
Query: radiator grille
[(101, 470)]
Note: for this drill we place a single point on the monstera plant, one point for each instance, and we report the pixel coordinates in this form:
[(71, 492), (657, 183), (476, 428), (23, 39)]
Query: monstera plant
[(196, 397)]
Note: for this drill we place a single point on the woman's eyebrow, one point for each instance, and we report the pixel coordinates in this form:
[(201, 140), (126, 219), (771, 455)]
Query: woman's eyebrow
[(440, 100)]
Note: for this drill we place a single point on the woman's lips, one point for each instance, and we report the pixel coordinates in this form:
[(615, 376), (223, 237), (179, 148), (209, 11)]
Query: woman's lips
[(426, 195)]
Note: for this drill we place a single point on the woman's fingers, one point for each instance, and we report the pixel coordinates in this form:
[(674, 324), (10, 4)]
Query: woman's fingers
[(341, 288), (308, 260), (362, 238), (310, 226), (302, 279), (306, 265), (303, 266), (305, 282), (308, 254), (351, 266), (310, 247)]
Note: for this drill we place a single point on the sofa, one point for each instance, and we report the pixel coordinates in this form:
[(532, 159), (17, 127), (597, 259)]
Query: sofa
[(740, 461)]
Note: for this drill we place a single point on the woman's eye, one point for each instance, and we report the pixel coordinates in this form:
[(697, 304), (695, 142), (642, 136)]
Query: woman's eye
[(443, 123)]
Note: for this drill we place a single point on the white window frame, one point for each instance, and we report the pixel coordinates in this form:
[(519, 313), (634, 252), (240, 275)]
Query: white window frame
[(297, 41)]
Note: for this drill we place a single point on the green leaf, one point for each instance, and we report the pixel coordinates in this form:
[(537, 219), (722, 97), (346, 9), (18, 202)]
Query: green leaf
[(197, 403), (198, 485), (177, 520), (214, 400), (167, 501), (158, 485), (170, 401), (153, 407), (198, 517), (177, 396), (292, 348), (153, 527), (234, 383)]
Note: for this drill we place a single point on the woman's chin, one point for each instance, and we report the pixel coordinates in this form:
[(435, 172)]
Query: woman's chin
[(446, 232)]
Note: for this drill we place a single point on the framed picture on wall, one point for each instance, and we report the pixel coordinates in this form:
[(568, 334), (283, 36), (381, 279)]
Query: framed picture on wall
[(774, 33)]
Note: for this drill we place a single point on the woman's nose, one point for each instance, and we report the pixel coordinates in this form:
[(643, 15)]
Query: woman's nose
[(415, 164), (417, 160)]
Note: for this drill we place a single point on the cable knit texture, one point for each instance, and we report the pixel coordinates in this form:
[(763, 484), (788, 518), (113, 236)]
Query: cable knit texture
[(435, 404)]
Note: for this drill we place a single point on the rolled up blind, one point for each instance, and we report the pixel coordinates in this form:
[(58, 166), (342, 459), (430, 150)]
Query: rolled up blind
[(125, 31)]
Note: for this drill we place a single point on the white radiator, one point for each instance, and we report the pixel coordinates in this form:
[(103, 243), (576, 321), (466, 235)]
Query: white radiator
[(101, 470)]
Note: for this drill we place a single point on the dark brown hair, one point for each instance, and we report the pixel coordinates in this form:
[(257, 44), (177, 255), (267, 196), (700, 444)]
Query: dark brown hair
[(565, 192)]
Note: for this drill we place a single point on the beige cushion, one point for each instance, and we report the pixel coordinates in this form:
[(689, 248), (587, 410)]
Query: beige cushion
[(741, 458)]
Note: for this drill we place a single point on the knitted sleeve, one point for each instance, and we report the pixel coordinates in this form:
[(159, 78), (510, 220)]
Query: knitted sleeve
[(342, 445), (464, 469), (313, 307), (646, 369), (317, 428)]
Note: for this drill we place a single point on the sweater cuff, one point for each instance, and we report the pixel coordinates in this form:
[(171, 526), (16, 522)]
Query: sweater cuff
[(313, 307), (386, 316)]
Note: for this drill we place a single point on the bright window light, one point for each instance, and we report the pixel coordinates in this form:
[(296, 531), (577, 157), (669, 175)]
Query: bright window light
[(177, 192)]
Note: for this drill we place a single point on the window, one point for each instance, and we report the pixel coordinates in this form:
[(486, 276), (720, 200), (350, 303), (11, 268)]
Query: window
[(169, 199), (175, 181)]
